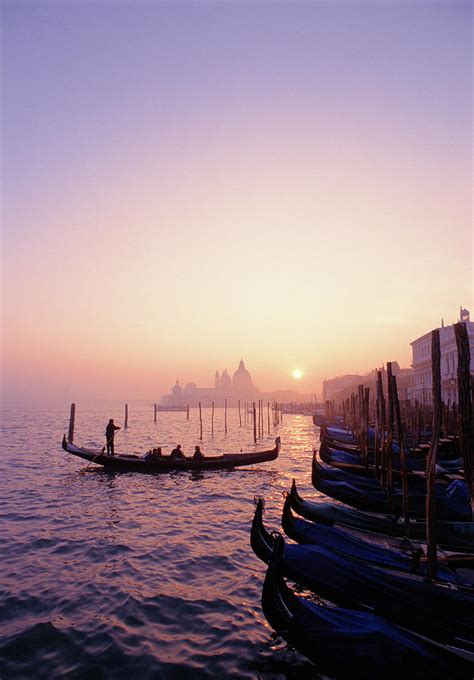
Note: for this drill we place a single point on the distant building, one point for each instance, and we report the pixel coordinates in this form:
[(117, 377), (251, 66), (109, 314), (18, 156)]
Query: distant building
[(421, 349), (344, 386), (238, 387), (333, 386)]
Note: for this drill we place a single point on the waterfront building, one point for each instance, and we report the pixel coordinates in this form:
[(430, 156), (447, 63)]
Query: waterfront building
[(421, 362), (239, 386)]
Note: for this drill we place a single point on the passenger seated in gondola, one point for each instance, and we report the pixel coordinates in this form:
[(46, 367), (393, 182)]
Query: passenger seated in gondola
[(198, 454), (154, 454), (177, 454)]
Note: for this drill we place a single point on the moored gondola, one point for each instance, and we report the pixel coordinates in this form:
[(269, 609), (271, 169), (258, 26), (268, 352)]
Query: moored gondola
[(134, 463), (352, 644), (452, 502), (437, 611), (456, 536), (400, 554)]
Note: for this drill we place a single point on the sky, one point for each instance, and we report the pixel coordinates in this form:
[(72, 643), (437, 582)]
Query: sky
[(188, 183)]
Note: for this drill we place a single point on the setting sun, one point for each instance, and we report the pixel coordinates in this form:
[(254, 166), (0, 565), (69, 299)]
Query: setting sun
[(297, 373)]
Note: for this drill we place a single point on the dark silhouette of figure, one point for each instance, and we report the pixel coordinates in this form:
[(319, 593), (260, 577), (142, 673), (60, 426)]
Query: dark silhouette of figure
[(154, 454), (110, 431), (198, 454), (177, 454)]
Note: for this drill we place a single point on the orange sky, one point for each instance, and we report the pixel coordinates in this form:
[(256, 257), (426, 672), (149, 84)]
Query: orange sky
[(289, 184)]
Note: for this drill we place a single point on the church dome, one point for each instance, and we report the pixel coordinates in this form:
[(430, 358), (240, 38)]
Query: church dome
[(177, 389), (242, 379), (225, 381)]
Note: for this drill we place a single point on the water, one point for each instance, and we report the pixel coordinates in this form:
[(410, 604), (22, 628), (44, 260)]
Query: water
[(118, 575)]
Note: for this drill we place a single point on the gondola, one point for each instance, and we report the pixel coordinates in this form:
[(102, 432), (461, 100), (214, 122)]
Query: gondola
[(134, 463), (441, 612), (416, 481), (400, 554), (452, 502), (456, 536), (354, 645), (353, 461)]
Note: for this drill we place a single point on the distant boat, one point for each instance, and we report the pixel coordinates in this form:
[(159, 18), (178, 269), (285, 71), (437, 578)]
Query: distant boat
[(134, 463)]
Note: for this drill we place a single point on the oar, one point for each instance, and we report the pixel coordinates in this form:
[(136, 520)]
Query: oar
[(102, 450)]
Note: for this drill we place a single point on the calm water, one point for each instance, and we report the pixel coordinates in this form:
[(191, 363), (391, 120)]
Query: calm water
[(108, 575)]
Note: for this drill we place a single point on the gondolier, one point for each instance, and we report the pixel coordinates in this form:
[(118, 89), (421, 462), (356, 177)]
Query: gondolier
[(110, 435)]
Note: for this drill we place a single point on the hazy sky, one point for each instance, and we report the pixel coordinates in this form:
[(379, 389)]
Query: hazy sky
[(188, 183)]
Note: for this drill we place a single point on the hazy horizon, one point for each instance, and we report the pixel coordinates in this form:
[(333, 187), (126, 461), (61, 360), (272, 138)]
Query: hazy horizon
[(186, 184)]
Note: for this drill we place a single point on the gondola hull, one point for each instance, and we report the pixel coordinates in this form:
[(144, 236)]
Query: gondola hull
[(458, 536), (133, 463), (353, 644)]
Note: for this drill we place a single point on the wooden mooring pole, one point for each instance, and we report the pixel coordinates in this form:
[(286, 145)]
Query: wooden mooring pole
[(72, 418), (187, 412), (154, 414), (466, 438), (200, 422), (240, 416), (268, 416), (403, 464), (126, 416), (254, 424), (432, 455), (225, 416), (212, 419)]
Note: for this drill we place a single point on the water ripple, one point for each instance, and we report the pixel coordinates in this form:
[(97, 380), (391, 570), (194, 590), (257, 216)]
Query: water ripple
[(109, 575)]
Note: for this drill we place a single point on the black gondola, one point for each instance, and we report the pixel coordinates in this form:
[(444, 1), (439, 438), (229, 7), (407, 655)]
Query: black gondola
[(351, 644), (456, 536), (134, 463)]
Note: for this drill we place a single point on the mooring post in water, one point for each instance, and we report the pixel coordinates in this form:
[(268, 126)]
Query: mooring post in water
[(200, 422), (389, 449), (254, 424), (466, 438), (187, 412), (225, 416), (431, 462), (126, 416), (268, 416), (72, 418), (212, 419), (154, 414), (240, 416), (403, 465)]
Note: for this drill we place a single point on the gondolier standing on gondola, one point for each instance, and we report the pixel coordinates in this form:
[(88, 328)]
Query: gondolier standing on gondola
[(109, 435)]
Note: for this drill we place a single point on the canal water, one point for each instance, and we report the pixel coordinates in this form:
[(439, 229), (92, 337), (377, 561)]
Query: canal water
[(120, 575)]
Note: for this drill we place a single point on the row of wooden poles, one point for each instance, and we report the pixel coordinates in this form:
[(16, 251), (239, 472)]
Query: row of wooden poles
[(385, 415), (254, 413)]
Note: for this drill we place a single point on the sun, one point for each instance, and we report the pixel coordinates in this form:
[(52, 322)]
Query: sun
[(297, 373)]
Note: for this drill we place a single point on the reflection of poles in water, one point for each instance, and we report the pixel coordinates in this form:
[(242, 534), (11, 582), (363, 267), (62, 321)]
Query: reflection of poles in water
[(126, 416), (225, 416), (200, 422), (212, 420), (72, 416)]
